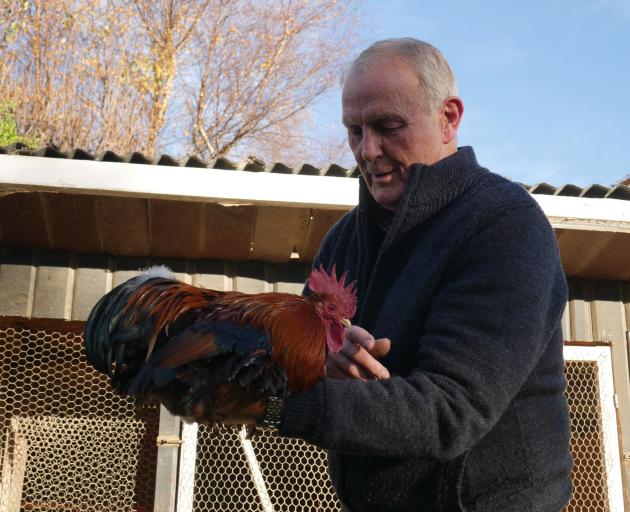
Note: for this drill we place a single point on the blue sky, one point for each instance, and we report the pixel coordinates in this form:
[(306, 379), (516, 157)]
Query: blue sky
[(545, 84)]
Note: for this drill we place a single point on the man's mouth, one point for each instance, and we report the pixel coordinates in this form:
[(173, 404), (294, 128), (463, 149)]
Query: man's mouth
[(382, 176), (379, 174)]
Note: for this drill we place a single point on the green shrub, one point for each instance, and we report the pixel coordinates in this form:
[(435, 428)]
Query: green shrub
[(8, 127)]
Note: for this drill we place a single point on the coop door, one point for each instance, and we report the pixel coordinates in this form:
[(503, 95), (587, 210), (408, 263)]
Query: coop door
[(597, 477), (54, 463)]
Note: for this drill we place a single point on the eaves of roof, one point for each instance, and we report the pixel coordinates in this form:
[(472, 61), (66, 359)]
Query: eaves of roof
[(178, 210)]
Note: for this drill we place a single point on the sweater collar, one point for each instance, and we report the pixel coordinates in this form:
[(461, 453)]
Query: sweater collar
[(430, 188)]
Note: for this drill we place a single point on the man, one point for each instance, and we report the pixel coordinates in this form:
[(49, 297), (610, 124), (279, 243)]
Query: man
[(459, 268)]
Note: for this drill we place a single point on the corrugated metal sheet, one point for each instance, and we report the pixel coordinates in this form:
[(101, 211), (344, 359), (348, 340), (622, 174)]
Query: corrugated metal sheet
[(252, 163)]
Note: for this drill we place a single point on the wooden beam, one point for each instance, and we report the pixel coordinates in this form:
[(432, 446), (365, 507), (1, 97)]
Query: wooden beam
[(167, 458)]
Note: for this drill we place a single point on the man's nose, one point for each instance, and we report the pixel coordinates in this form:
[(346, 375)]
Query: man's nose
[(371, 146)]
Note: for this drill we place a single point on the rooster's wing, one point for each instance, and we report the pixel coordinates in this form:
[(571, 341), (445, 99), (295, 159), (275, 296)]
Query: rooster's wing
[(210, 367)]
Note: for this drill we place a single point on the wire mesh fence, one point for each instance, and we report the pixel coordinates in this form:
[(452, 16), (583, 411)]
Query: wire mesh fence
[(67, 442), (596, 472), (590, 492), (294, 473)]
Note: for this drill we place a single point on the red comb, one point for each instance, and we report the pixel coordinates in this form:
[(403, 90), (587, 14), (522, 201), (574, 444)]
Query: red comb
[(320, 282)]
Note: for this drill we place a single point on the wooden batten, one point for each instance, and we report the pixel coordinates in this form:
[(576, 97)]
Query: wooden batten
[(65, 286)]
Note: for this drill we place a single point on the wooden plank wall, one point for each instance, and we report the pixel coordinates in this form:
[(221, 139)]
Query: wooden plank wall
[(65, 286), (61, 285)]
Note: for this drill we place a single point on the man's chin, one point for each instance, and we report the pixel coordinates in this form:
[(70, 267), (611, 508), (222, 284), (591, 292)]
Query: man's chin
[(387, 197)]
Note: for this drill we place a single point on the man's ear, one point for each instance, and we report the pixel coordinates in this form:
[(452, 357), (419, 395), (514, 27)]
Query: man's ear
[(452, 113)]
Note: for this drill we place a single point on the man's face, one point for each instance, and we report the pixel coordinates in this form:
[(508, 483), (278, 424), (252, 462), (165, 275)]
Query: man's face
[(389, 128)]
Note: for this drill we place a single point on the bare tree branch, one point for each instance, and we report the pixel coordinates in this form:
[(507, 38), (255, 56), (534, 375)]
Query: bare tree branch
[(207, 76)]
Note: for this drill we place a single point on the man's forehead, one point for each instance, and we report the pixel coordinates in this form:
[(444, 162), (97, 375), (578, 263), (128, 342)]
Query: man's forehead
[(382, 68), (373, 95), (379, 111), (386, 82), (373, 103)]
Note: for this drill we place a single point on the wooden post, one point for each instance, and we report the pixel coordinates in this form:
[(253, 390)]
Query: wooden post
[(13, 469), (187, 463), (168, 453)]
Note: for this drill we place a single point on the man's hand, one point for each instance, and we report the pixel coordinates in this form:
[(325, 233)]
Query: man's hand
[(357, 357)]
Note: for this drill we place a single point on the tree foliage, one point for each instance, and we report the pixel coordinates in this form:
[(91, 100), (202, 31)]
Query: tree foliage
[(211, 77), (8, 127)]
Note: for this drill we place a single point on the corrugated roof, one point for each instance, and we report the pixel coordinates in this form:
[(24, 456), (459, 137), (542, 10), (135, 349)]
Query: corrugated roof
[(255, 164), (252, 163)]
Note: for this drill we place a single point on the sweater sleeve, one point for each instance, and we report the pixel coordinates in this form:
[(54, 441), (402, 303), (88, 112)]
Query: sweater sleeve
[(491, 320)]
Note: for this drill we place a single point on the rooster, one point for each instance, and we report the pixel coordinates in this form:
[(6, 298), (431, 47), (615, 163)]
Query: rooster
[(201, 351)]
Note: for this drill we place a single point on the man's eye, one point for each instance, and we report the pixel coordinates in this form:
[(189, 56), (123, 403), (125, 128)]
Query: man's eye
[(355, 131), (389, 128)]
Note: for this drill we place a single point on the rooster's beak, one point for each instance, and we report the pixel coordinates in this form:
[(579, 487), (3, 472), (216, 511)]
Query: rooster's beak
[(346, 322)]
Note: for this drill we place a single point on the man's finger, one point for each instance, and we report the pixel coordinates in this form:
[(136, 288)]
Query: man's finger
[(347, 367), (335, 373), (364, 360), (380, 347), (360, 336)]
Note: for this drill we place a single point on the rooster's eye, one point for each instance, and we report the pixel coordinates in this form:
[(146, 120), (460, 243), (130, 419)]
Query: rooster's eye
[(332, 307)]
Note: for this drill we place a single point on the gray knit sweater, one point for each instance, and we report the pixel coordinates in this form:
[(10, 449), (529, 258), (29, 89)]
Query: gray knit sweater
[(466, 281)]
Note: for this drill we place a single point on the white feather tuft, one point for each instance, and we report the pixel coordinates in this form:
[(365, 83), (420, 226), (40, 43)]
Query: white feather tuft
[(156, 271)]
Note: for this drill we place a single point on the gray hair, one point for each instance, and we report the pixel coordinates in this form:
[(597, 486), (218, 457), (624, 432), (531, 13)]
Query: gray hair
[(437, 81)]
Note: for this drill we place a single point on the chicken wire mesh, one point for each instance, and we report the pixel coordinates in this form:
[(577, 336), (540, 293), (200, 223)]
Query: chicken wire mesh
[(594, 442), (590, 492), (294, 474), (67, 442)]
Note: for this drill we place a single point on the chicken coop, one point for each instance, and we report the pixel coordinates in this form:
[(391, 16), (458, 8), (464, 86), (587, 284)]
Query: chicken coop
[(74, 225)]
